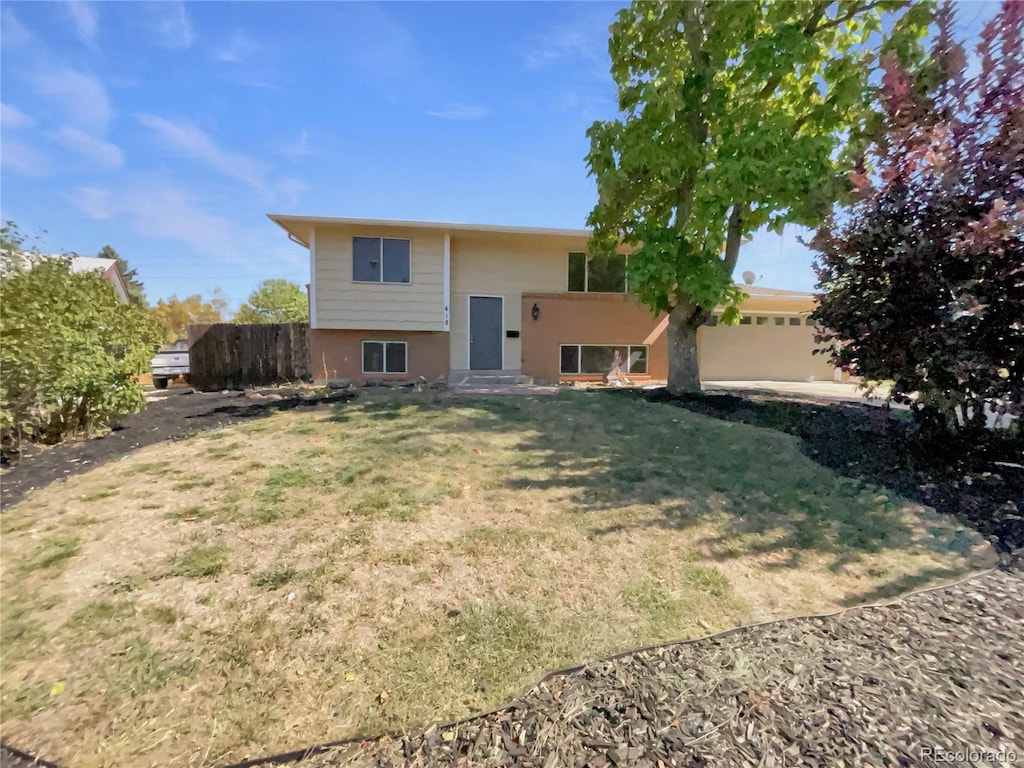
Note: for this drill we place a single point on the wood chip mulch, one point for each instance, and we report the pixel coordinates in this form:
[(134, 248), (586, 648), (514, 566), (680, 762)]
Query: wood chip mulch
[(939, 670)]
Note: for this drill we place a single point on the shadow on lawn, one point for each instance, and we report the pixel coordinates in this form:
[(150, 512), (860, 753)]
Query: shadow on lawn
[(758, 491)]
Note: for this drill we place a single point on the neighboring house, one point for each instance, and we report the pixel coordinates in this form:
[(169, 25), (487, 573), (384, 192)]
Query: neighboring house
[(109, 269), (402, 299)]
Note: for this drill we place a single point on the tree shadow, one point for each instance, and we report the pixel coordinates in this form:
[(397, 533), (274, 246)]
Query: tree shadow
[(746, 491)]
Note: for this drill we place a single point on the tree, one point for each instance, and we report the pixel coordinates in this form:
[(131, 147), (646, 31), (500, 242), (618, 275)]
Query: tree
[(136, 290), (733, 117), (175, 314), (275, 301), (70, 350), (923, 275)]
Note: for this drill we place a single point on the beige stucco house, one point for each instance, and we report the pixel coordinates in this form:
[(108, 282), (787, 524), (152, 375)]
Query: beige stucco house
[(403, 299)]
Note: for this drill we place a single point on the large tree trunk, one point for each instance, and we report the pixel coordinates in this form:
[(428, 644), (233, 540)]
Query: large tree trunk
[(683, 366)]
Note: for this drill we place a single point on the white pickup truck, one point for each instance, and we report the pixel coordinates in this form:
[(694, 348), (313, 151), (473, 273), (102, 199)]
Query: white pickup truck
[(170, 362)]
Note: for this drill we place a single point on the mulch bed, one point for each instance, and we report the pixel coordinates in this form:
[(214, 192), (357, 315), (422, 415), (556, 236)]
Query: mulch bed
[(170, 415), (939, 670)]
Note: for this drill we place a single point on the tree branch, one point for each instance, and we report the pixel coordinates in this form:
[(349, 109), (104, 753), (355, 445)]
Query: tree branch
[(733, 236)]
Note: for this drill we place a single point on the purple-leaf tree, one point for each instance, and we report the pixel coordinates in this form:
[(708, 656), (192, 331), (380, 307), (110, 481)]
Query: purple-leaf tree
[(922, 275)]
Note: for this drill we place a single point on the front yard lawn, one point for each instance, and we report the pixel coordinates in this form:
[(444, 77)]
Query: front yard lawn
[(403, 559)]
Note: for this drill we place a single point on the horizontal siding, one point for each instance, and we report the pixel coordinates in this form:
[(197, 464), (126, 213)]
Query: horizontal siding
[(506, 266), (342, 303)]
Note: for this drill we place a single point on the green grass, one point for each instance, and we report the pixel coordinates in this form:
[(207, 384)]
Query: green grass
[(100, 494), (274, 577), (51, 552), (200, 561)]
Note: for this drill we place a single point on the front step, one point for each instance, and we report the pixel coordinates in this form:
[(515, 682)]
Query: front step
[(487, 378)]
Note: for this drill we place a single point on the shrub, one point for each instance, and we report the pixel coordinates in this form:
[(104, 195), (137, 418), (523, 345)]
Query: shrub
[(70, 350)]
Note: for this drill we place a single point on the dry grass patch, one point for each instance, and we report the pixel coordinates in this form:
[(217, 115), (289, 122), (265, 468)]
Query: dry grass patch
[(403, 559)]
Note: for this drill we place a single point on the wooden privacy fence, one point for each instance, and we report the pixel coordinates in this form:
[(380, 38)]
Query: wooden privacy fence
[(229, 356)]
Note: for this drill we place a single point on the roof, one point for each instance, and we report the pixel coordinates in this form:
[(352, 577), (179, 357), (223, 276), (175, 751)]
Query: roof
[(298, 226), (91, 264), (760, 290)]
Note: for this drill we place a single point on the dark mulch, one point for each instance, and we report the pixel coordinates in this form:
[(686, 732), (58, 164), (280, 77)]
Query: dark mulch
[(872, 686), (881, 446), (14, 758), (176, 414)]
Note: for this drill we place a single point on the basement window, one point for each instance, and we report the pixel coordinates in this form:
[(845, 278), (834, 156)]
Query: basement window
[(780, 321), (597, 274), (745, 320), (794, 321), (762, 320), (385, 357), (596, 358), (380, 260)]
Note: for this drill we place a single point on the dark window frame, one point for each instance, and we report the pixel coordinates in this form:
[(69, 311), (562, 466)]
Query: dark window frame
[(626, 363), (586, 273), (383, 269), (384, 356)]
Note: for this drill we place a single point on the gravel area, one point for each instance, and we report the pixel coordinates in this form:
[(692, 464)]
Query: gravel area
[(923, 678)]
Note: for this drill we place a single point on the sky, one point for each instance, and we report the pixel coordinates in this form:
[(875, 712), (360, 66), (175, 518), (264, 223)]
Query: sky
[(169, 130)]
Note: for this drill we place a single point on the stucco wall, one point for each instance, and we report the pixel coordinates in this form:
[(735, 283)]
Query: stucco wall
[(343, 304), (337, 354), (587, 318), (506, 266), (761, 352)]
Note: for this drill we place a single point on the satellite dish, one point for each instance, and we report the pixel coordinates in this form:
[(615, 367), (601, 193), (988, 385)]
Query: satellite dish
[(749, 277)]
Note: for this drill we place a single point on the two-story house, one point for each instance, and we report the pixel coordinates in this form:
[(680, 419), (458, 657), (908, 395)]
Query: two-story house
[(403, 299)]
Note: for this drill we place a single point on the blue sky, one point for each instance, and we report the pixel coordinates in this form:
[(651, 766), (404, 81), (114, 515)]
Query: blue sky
[(168, 130)]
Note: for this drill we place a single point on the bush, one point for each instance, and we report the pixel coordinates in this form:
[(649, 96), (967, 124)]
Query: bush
[(70, 351)]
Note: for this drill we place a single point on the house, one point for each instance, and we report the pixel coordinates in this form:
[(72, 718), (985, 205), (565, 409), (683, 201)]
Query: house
[(404, 299), (107, 268)]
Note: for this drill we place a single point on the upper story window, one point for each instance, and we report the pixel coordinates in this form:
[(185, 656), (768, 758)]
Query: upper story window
[(597, 274), (380, 260)]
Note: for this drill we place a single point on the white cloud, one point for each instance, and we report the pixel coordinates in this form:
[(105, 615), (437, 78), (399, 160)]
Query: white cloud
[(299, 148), (100, 152), (239, 48), (94, 202), (170, 24), (24, 159), (159, 210), (82, 97), (188, 140), (13, 32), (85, 17), (12, 117), (462, 112), (292, 189)]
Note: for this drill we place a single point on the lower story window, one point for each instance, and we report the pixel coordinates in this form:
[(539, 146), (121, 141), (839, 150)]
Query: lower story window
[(385, 357), (593, 358)]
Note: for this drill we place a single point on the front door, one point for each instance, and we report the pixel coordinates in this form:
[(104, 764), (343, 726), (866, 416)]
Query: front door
[(485, 342)]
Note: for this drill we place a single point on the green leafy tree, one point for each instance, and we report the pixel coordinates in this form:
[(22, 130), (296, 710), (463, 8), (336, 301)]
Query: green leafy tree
[(174, 315), (275, 301), (734, 115), (71, 350), (136, 290)]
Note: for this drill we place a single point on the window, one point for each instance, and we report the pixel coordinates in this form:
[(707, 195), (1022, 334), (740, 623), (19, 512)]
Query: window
[(745, 320), (597, 274), (593, 358), (380, 260), (780, 321), (794, 321), (808, 321), (762, 320), (385, 357)]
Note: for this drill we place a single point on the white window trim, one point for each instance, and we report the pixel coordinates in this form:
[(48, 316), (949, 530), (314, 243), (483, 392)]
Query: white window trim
[(629, 352), (382, 281), (586, 275), (385, 342)]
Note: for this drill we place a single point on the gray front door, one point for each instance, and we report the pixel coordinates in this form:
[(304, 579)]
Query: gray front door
[(485, 333)]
